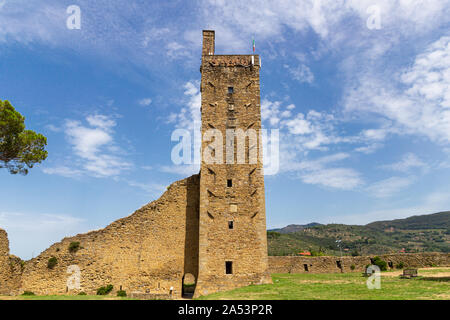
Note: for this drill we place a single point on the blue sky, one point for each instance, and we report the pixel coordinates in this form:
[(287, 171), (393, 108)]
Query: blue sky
[(363, 112)]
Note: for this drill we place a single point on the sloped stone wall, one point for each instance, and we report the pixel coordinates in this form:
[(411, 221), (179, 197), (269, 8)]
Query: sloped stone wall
[(146, 252)]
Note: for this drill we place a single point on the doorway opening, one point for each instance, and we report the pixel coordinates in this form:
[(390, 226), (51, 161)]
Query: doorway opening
[(189, 283)]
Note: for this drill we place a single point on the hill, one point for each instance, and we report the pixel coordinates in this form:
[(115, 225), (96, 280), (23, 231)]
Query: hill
[(296, 227), (426, 233)]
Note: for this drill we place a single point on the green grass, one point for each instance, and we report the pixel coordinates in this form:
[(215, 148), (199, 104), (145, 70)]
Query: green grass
[(347, 286), (336, 286), (54, 297)]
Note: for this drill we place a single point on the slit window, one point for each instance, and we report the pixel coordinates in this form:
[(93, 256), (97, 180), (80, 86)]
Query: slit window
[(229, 183), (230, 90), (230, 225), (229, 267), (306, 267)]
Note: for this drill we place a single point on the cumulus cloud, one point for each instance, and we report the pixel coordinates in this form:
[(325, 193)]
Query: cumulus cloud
[(94, 149)]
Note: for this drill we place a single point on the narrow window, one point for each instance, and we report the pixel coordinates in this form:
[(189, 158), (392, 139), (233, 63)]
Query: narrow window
[(230, 225), (230, 90), (229, 183), (229, 267), (339, 264), (306, 267)]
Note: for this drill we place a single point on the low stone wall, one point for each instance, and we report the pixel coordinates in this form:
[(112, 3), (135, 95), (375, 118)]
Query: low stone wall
[(151, 296), (344, 264)]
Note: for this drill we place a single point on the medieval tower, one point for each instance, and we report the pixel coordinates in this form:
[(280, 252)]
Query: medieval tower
[(232, 217)]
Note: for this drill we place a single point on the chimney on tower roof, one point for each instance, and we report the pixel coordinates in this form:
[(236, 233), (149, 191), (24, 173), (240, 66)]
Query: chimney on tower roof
[(208, 42)]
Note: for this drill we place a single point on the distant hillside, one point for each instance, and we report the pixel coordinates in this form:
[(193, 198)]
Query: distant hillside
[(296, 227), (427, 233), (439, 220)]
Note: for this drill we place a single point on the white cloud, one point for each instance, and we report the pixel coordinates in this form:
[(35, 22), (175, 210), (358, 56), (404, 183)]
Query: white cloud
[(63, 171), (318, 172), (389, 187), (338, 178), (409, 161), (94, 147), (145, 102), (370, 148), (189, 115), (302, 73), (422, 107), (152, 189)]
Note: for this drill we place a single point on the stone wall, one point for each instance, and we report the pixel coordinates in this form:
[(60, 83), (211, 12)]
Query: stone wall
[(10, 268), (147, 252), (330, 264)]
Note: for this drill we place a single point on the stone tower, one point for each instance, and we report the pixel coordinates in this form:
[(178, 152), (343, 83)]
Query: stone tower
[(232, 218)]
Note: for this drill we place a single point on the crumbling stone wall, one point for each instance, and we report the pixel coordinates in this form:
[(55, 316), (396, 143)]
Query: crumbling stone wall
[(147, 252), (10, 268), (330, 264)]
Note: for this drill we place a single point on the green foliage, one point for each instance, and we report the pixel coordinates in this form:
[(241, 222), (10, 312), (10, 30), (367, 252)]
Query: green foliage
[(318, 253), (353, 267), (52, 262), (82, 293), (273, 235), (400, 265), (103, 291), (20, 149), (28, 293), (355, 253), (121, 293), (428, 234), (380, 263), (74, 246)]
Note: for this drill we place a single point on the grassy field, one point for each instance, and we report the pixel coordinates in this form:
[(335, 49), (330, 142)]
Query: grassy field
[(346, 286), (432, 284), (64, 298)]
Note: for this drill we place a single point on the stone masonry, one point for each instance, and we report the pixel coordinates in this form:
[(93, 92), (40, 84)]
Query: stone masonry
[(295, 264)]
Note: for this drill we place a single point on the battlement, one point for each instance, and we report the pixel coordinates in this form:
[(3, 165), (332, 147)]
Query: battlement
[(235, 60), (209, 58)]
